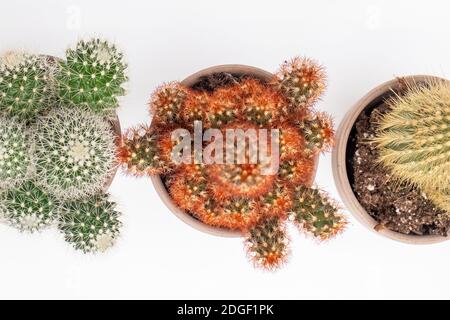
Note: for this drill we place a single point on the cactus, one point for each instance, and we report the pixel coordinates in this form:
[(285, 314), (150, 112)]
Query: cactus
[(166, 103), (267, 244), (24, 84), (75, 153), (315, 213), (318, 133), (195, 107), (139, 152), (90, 225), (278, 201), (296, 171), (302, 81), (16, 164), (92, 76), (28, 207), (260, 104), (188, 193), (414, 139), (243, 196)]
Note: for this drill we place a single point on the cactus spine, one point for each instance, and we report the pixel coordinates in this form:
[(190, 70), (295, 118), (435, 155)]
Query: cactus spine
[(57, 143)]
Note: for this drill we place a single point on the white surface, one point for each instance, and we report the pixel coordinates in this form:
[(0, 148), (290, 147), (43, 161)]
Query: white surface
[(361, 43)]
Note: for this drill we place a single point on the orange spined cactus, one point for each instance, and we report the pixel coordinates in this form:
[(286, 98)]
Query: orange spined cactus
[(240, 192)]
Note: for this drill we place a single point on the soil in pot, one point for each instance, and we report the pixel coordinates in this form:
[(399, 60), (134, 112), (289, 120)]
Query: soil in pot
[(398, 207)]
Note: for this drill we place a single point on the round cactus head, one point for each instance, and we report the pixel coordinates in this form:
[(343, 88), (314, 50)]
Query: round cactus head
[(28, 207), (414, 139), (167, 102), (75, 153), (139, 154), (302, 81), (92, 76), (90, 225), (24, 84), (15, 153)]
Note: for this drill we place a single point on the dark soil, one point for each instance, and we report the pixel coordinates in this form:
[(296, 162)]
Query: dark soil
[(400, 208), (217, 80)]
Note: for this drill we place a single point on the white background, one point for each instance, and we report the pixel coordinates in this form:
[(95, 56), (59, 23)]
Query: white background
[(361, 43)]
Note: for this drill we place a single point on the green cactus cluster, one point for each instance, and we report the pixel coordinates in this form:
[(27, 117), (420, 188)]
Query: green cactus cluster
[(92, 76), (166, 103), (57, 145), (318, 132), (243, 197), (414, 139)]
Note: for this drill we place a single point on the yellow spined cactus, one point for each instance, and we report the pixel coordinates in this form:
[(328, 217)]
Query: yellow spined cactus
[(414, 139)]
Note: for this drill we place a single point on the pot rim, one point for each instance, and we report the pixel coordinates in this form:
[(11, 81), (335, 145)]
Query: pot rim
[(339, 161), (238, 69)]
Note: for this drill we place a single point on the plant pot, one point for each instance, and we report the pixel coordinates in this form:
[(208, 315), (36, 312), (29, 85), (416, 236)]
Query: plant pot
[(159, 185), (342, 151)]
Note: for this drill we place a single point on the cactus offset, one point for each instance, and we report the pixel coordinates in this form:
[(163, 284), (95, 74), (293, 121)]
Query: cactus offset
[(28, 208), (92, 76), (302, 81), (16, 164), (414, 139), (90, 225), (75, 153), (267, 244), (166, 104), (318, 133), (316, 214), (24, 84), (139, 152)]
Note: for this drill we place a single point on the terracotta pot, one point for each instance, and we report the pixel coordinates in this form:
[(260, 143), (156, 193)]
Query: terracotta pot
[(339, 163), (187, 218)]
